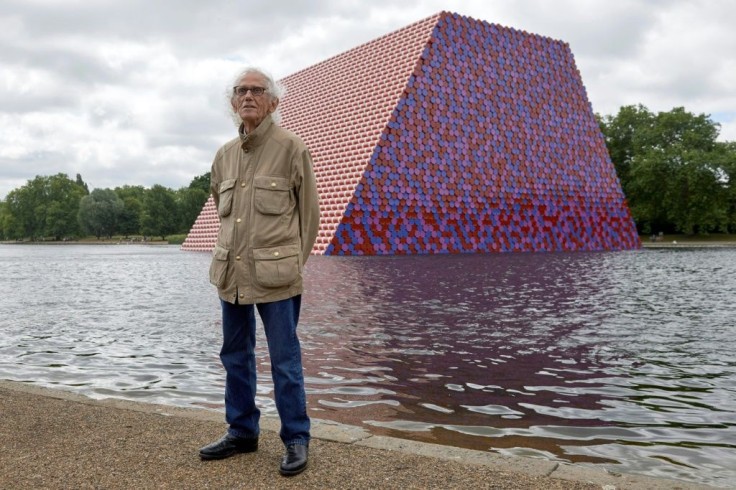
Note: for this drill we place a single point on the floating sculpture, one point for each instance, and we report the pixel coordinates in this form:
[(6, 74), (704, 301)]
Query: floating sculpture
[(452, 135)]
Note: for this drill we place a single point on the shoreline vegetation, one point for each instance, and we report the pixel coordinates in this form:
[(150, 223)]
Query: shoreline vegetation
[(720, 240), (661, 241), (91, 240)]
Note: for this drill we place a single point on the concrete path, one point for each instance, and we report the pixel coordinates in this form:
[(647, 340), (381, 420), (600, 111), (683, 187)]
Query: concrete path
[(59, 439)]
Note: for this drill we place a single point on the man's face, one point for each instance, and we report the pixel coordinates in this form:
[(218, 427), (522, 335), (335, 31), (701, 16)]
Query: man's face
[(251, 108)]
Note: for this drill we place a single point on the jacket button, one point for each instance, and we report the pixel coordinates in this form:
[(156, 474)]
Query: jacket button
[(273, 184), (242, 295), (238, 220), (237, 258), (242, 184), (245, 150), (275, 254)]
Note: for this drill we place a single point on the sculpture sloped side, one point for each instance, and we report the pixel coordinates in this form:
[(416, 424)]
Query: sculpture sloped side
[(339, 107)]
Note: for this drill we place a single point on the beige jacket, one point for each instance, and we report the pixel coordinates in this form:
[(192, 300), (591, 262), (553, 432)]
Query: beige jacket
[(264, 188)]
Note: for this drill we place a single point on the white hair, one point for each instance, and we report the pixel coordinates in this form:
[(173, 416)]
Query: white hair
[(274, 90)]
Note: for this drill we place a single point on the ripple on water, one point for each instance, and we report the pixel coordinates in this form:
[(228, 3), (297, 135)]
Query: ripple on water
[(621, 360)]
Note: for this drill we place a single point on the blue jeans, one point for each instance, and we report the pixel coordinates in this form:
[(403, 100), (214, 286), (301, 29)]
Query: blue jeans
[(280, 319)]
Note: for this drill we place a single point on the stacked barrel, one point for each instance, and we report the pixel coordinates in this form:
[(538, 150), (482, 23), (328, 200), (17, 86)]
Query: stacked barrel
[(202, 236), (456, 135), (340, 107)]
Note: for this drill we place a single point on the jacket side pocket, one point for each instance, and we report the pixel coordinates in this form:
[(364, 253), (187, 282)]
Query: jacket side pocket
[(218, 267), (277, 266), (227, 189)]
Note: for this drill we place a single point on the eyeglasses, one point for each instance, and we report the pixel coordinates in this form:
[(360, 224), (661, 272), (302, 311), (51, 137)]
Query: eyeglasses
[(241, 90)]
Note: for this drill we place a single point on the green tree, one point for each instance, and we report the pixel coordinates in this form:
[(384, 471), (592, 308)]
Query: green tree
[(5, 223), (131, 191), (25, 206), (63, 196), (45, 206), (160, 216), (12, 228), (189, 203), (130, 219), (82, 184), (727, 178), (201, 182), (99, 212), (671, 169), (129, 222), (3, 212), (625, 135)]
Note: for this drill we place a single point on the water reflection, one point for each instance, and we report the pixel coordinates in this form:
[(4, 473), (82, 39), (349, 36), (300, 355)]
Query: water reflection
[(476, 337), (548, 355), (617, 359)]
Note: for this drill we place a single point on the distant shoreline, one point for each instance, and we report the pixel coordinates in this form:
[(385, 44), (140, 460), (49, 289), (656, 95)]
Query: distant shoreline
[(85, 242), (687, 244), (644, 244)]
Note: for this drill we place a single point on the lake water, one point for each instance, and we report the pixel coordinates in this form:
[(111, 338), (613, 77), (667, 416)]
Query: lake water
[(617, 359)]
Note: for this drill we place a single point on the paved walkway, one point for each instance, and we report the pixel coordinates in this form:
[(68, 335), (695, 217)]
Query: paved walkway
[(59, 439)]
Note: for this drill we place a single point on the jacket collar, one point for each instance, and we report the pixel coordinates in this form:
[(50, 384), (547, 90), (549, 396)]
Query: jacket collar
[(257, 136)]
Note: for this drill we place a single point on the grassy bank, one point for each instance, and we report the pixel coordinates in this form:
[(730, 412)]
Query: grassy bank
[(715, 237), (115, 240), (712, 240)]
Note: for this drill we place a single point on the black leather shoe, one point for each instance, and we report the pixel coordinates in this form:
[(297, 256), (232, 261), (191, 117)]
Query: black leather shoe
[(294, 460), (228, 446)]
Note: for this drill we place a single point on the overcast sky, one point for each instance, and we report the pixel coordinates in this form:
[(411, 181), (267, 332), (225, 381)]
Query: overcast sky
[(131, 91)]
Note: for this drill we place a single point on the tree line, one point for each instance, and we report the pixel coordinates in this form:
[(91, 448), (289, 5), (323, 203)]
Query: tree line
[(676, 178), (59, 208)]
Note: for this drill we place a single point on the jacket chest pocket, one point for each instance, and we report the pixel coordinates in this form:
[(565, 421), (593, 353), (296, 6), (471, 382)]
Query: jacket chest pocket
[(272, 194), (226, 197)]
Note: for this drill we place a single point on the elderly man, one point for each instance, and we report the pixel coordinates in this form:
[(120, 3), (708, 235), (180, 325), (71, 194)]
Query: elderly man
[(264, 188)]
